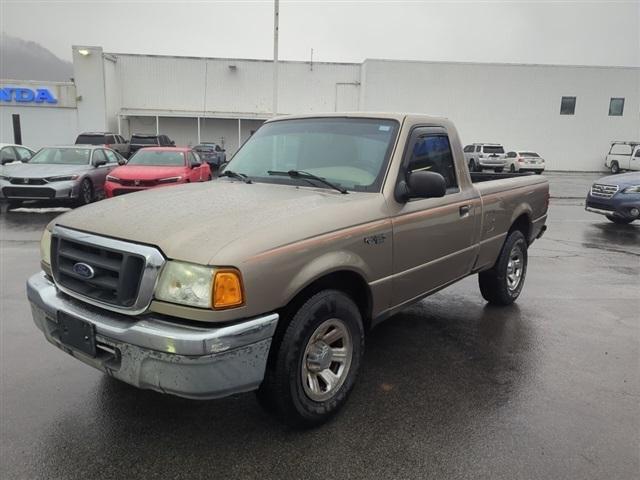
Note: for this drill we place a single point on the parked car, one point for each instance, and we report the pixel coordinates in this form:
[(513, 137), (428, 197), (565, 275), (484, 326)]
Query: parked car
[(524, 161), (73, 174), (319, 228), (212, 153), (617, 197), (12, 153), (623, 156), (142, 140), (481, 156), (106, 139), (157, 167)]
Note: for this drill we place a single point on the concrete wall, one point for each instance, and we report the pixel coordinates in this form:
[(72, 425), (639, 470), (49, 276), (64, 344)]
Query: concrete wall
[(40, 126), (516, 105), (89, 76), (217, 86)]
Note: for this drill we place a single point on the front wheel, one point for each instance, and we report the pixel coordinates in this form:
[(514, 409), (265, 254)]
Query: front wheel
[(85, 195), (314, 366), (620, 220), (502, 284)]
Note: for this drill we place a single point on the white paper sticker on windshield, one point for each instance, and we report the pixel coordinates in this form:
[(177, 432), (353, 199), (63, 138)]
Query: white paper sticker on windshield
[(384, 128)]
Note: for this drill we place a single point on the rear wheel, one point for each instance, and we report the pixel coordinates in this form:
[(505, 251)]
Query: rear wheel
[(620, 220), (615, 168), (502, 284), (472, 166), (512, 168), (314, 366)]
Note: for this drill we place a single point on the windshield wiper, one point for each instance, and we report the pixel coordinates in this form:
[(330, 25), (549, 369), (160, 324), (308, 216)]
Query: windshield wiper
[(239, 176), (308, 176)]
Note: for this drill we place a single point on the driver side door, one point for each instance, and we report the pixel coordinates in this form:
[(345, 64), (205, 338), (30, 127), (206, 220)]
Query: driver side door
[(433, 238)]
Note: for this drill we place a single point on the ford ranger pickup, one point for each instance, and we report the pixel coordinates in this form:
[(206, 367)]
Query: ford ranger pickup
[(318, 228)]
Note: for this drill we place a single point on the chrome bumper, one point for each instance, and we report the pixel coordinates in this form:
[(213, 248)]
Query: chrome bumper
[(157, 354)]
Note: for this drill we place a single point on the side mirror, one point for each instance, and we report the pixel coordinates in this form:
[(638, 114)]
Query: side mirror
[(222, 165), (173, 143), (99, 163), (122, 161), (421, 184)]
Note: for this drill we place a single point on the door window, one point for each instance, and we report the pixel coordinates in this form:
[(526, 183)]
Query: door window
[(194, 159), (477, 148), (8, 155), (111, 156), (23, 153), (511, 155), (432, 153), (98, 155)]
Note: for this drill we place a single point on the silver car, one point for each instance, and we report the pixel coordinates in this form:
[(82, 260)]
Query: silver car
[(74, 174)]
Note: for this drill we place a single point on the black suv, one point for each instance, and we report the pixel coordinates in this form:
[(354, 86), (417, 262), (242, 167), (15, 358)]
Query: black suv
[(110, 140), (141, 140)]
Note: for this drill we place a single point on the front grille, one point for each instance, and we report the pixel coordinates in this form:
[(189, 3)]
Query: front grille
[(116, 274), (28, 181), (27, 192), (603, 191), (123, 191), (138, 183)]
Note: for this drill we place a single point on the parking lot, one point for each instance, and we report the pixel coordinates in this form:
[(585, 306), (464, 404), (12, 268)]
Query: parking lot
[(450, 388)]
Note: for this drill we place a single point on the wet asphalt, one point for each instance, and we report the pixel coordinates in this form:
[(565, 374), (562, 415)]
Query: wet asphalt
[(451, 388)]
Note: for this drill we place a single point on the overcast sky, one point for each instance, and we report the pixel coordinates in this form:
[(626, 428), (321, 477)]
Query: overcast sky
[(584, 33)]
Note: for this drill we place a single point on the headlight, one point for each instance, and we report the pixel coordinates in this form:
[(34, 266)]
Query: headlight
[(45, 247), (185, 283), (199, 286), (111, 178), (170, 180), (632, 189), (62, 178)]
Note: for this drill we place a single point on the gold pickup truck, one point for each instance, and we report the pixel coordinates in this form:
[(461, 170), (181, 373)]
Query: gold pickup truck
[(268, 278)]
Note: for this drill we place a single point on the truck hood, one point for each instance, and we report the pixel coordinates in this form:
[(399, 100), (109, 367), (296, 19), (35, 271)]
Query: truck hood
[(41, 170), (147, 172), (195, 222)]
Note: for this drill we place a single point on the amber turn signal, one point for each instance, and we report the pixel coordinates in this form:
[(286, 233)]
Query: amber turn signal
[(227, 289)]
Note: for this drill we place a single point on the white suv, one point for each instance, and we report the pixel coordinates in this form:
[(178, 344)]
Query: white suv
[(480, 156), (623, 156)]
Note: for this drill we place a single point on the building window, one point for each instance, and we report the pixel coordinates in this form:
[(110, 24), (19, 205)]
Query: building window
[(616, 107), (568, 106)]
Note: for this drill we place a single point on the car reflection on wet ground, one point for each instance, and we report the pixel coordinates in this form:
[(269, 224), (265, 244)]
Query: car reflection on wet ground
[(450, 388)]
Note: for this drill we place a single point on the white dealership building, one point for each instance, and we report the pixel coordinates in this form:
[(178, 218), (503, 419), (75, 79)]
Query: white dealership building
[(224, 100)]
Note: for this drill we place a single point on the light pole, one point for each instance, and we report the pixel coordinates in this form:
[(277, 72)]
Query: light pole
[(276, 13)]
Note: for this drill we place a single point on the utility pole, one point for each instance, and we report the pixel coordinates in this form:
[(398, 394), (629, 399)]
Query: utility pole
[(276, 21)]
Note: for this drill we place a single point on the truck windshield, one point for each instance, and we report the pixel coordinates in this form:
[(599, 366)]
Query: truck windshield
[(62, 156), (144, 140), (158, 158), (350, 152)]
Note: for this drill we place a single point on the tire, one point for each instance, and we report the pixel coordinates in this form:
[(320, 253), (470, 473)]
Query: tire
[(498, 170), (294, 388), (502, 284), (615, 168), (619, 220), (85, 193), (512, 168), (472, 166), (539, 172)]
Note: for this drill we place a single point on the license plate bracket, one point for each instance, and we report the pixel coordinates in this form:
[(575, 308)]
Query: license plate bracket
[(77, 334)]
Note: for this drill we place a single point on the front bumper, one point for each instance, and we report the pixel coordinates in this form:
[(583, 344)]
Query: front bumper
[(49, 191), (620, 205), (154, 353)]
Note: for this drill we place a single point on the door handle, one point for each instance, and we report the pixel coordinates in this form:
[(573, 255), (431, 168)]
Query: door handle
[(465, 210)]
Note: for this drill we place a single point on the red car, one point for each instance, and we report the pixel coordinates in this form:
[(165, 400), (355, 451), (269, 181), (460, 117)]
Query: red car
[(155, 167)]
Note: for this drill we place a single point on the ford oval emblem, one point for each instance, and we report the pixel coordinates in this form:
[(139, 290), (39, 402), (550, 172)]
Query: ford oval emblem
[(84, 270)]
